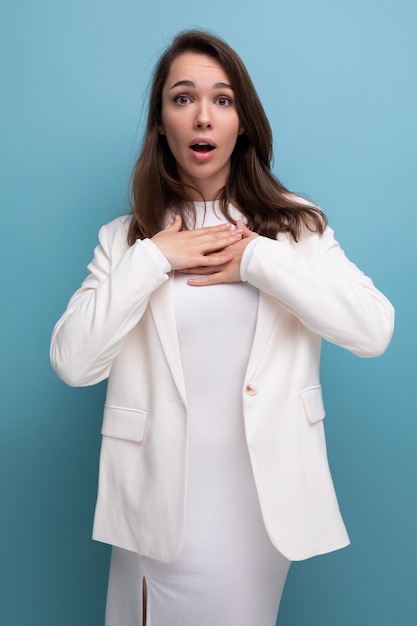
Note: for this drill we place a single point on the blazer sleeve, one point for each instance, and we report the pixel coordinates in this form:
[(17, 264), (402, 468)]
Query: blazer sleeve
[(325, 291), (109, 303)]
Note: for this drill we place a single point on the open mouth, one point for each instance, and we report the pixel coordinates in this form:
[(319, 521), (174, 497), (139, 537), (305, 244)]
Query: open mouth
[(202, 147)]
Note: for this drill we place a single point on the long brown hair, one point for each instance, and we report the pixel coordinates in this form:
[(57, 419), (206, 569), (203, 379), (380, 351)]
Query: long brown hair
[(155, 186)]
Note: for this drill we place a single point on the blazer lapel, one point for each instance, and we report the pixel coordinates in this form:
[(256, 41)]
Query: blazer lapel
[(268, 311), (162, 308)]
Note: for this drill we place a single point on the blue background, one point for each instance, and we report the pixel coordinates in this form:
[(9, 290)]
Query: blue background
[(338, 81)]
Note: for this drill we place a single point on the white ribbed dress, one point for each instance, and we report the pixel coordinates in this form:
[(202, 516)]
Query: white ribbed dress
[(228, 572)]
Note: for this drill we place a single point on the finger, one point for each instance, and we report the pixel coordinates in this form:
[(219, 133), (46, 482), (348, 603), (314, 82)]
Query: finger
[(202, 270), (213, 260), (176, 224), (212, 229), (243, 227), (204, 281), (207, 264), (213, 242)]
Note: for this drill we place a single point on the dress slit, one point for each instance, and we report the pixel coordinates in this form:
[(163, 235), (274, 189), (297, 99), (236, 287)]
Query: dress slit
[(144, 601)]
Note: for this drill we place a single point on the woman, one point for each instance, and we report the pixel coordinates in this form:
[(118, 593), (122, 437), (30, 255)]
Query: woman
[(213, 467)]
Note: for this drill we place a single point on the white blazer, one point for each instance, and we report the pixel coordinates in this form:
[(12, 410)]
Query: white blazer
[(120, 325)]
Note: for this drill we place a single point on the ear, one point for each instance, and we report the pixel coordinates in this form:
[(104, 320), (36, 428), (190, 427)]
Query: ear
[(161, 130), (241, 130)]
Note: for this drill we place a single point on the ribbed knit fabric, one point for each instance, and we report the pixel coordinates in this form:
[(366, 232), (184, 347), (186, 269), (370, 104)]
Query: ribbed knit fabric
[(228, 572)]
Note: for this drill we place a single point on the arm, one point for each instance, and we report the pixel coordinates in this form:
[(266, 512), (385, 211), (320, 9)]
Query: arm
[(109, 303), (325, 291)]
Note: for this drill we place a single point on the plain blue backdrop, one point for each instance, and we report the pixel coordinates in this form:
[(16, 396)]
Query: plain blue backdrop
[(338, 81)]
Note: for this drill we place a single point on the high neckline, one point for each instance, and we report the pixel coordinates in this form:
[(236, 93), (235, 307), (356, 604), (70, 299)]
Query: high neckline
[(209, 213), (201, 203)]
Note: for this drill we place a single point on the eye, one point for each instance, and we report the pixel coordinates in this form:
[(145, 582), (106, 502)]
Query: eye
[(224, 101), (181, 100)]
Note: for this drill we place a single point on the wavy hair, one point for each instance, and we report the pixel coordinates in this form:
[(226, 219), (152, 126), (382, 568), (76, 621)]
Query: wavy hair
[(269, 207)]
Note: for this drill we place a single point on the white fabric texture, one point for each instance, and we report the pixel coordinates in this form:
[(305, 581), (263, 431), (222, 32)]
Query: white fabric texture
[(228, 571)]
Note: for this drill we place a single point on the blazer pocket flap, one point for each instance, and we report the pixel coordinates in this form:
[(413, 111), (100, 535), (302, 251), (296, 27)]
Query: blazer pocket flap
[(312, 399), (124, 423)]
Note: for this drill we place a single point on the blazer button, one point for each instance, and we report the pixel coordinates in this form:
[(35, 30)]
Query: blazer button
[(251, 389)]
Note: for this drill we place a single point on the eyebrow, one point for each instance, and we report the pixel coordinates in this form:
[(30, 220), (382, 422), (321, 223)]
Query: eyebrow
[(189, 83)]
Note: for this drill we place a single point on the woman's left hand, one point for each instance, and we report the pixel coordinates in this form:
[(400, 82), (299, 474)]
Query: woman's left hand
[(228, 272)]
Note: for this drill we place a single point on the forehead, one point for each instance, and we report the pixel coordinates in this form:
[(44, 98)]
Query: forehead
[(197, 68)]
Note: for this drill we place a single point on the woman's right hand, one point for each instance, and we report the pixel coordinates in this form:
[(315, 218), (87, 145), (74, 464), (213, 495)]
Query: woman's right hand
[(188, 248)]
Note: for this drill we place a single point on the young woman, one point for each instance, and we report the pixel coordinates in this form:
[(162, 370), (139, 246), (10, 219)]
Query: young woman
[(205, 309)]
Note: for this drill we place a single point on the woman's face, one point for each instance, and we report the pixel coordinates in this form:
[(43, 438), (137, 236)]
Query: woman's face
[(200, 121)]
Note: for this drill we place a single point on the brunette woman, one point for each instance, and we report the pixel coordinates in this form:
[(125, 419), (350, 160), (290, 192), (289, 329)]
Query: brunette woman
[(205, 309)]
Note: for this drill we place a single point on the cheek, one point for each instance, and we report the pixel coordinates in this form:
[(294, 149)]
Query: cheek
[(232, 138), (171, 126), (234, 127)]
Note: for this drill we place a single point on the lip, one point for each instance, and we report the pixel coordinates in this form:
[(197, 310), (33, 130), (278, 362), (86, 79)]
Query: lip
[(201, 157), (206, 140)]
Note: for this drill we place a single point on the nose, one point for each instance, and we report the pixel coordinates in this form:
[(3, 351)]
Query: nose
[(203, 118)]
